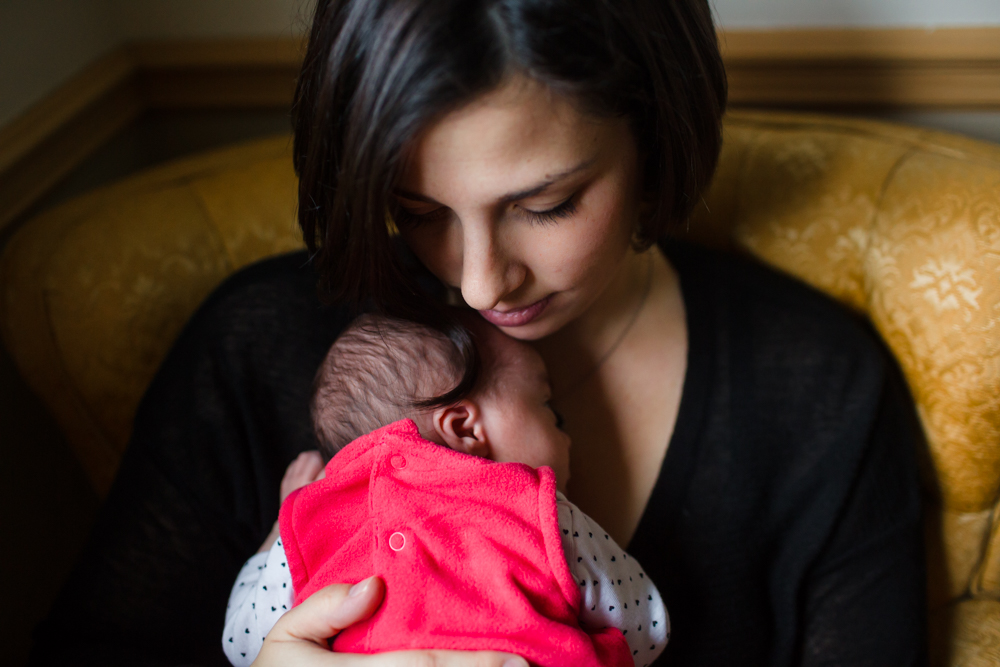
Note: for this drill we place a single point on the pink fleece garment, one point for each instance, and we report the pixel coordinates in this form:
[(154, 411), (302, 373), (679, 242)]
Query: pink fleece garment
[(469, 550)]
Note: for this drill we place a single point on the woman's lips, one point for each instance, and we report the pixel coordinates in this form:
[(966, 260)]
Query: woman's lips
[(518, 317)]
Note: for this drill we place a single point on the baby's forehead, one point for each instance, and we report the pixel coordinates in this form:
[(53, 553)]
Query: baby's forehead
[(510, 359)]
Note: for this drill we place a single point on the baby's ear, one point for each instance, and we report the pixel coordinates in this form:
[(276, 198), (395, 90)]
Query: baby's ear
[(460, 427)]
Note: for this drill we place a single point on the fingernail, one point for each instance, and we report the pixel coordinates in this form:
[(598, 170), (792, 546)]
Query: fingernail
[(359, 588)]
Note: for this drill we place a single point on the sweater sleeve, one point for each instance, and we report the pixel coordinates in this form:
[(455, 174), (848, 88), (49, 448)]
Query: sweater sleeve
[(616, 591), (261, 594), (197, 490), (859, 605)]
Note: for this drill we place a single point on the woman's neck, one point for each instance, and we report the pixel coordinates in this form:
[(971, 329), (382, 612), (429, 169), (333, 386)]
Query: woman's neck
[(620, 408), (575, 352)]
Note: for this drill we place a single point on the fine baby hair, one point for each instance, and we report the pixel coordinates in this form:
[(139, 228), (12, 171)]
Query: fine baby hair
[(380, 370)]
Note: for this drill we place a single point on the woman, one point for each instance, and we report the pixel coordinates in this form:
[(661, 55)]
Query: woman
[(747, 439)]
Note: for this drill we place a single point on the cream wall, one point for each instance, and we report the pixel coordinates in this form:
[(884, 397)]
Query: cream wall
[(171, 19), (855, 13), (44, 42)]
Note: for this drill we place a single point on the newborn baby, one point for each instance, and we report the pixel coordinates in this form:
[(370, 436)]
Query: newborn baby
[(472, 489)]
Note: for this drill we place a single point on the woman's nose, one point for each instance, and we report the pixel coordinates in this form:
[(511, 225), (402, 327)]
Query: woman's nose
[(489, 271)]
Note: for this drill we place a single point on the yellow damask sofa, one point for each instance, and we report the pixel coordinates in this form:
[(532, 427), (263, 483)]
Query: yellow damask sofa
[(900, 224)]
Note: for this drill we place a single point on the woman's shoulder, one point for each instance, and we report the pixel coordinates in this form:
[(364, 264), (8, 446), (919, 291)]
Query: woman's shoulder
[(797, 446), (771, 319), (789, 386), (277, 282), (270, 304), (790, 365)]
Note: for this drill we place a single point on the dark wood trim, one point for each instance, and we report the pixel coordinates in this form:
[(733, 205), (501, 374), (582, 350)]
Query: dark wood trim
[(94, 82), (43, 145), (956, 68), (219, 87), (219, 74)]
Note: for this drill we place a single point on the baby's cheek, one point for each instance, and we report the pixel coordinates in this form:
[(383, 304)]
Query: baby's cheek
[(562, 473), (555, 456), (561, 482)]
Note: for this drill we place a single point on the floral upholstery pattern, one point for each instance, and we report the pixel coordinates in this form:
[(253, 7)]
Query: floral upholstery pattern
[(900, 224)]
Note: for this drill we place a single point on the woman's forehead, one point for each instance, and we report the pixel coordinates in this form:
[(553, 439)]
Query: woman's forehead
[(511, 139)]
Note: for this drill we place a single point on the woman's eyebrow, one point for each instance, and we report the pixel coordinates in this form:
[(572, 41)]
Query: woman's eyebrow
[(541, 187), (511, 196)]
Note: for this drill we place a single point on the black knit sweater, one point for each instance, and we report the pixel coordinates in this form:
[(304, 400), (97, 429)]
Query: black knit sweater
[(784, 528)]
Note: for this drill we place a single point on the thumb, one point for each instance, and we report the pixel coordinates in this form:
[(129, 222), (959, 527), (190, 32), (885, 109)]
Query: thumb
[(328, 611)]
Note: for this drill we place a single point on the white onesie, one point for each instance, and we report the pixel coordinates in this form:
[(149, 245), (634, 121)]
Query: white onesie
[(616, 592)]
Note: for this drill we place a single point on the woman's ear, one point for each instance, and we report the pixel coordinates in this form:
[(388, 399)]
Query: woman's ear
[(461, 428)]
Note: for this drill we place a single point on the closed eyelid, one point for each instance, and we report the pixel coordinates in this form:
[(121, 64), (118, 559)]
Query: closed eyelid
[(546, 214), (550, 205), (510, 197)]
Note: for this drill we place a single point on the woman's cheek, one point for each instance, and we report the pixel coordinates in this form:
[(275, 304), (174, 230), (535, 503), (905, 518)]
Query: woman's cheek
[(592, 250)]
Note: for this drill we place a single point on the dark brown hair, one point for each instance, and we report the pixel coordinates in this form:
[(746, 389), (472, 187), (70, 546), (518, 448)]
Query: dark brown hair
[(377, 72)]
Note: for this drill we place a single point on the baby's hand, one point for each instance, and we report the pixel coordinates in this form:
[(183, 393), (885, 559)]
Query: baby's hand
[(305, 469)]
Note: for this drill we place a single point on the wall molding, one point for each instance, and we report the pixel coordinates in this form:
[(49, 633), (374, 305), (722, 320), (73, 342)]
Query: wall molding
[(41, 146), (953, 68), (830, 69)]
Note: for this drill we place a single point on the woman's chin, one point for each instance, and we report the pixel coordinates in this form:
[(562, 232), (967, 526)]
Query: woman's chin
[(527, 333)]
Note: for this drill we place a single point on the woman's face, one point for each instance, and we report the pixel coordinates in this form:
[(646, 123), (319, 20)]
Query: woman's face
[(525, 204)]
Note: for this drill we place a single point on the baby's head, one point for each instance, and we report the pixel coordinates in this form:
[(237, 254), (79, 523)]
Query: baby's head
[(380, 368)]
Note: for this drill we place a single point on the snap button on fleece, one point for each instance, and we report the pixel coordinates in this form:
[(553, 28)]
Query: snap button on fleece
[(398, 461), (397, 541)]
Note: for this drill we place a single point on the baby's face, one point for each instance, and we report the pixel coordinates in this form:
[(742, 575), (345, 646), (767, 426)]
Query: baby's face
[(519, 421)]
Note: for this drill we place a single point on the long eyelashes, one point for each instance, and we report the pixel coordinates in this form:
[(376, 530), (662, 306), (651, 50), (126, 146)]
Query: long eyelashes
[(553, 215), (404, 218)]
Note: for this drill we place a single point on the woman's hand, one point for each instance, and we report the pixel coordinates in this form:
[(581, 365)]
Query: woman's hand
[(301, 636), (305, 469)]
